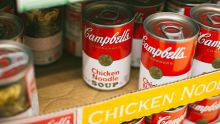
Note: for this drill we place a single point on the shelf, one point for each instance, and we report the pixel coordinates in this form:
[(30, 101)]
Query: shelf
[(60, 86), (64, 95)]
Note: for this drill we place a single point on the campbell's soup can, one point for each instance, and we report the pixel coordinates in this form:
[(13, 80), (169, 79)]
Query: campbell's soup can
[(107, 39), (167, 51), (183, 7), (207, 53), (18, 92), (207, 110), (73, 29), (172, 116), (43, 34), (11, 27), (7, 6), (142, 8), (136, 121)]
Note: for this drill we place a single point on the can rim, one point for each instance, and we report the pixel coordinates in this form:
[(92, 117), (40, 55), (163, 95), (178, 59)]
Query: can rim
[(12, 44), (17, 21), (176, 109), (147, 6), (182, 3), (195, 9), (214, 97), (150, 18), (131, 11)]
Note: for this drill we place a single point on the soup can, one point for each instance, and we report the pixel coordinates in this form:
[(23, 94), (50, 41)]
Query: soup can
[(11, 27), (18, 92), (172, 116), (73, 29), (207, 110), (169, 41), (142, 8), (107, 40), (207, 53), (183, 7), (43, 34)]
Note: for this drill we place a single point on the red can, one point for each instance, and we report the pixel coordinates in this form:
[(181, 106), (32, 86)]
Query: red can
[(169, 41), (183, 7), (143, 8), (207, 53), (107, 38), (73, 29), (206, 110), (172, 116)]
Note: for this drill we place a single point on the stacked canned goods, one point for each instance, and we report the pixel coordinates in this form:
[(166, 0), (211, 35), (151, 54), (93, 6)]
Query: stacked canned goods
[(43, 34), (167, 44), (107, 39), (142, 8), (18, 93), (207, 56), (11, 27), (183, 7)]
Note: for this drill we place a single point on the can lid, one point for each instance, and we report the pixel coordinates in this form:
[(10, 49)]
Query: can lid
[(75, 7), (207, 15), (170, 26), (144, 3), (108, 13), (189, 2), (172, 110), (14, 61), (10, 26)]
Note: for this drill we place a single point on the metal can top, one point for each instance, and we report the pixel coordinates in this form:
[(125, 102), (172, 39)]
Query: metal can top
[(207, 15), (189, 2), (173, 110), (15, 58), (171, 27), (144, 3), (75, 7), (10, 26), (108, 14)]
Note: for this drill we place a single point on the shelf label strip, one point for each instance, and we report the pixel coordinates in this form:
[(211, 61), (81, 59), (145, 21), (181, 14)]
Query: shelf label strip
[(143, 103)]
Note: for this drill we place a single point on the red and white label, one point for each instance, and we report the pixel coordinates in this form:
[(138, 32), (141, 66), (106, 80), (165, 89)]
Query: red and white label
[(166, 56), (208, 49), (32, 90), (64, 119), (207, 109), (114, 43), (73, 32), (175, 117), (140, 15)]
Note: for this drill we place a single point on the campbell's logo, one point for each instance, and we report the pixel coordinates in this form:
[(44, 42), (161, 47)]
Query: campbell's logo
[(168, 120), (139, 17), (63, 120), (203, 39), (114, 39), (203, 109), (168, 53)]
